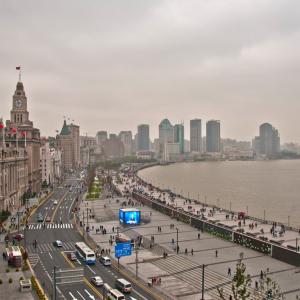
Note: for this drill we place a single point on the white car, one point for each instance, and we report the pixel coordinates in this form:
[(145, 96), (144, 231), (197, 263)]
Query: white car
[(97, 281), (55, 202), (58, 243)]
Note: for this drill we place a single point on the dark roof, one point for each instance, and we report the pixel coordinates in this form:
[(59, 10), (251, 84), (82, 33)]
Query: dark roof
[(65, 130)]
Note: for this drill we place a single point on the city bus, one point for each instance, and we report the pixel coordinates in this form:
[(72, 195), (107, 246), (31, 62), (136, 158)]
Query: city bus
[(85, 253)]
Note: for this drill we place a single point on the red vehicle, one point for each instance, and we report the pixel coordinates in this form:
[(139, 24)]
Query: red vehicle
[(18, 237), (241, 215), (71, 255)]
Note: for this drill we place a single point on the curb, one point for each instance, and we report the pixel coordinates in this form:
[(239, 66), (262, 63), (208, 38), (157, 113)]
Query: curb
[(39, 287)]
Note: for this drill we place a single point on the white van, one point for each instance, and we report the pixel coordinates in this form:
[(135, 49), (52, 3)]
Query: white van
[(123, 285), (115, 295), (105, 260)]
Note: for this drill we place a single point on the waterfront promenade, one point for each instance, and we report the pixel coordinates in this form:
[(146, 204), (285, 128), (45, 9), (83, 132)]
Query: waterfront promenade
[(181, 274)]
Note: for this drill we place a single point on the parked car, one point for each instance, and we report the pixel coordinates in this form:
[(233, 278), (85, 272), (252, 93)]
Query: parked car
[(55, 202), (48, 219), (97, 281)]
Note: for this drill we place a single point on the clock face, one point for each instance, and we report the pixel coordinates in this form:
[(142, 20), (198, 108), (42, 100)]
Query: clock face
[(19, 103)]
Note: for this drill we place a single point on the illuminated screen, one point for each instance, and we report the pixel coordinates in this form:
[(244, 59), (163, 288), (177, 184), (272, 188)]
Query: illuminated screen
[(130, 217)]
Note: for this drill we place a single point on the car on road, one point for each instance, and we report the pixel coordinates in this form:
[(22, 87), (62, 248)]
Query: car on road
[(55, 202), (48, 219), (123, 285), (71, 255), (57, 243), (40, 218), (105, 260), (18, 237), (97, 281)]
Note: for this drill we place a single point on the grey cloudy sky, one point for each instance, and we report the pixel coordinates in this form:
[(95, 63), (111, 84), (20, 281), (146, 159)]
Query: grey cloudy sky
[(111, 65)]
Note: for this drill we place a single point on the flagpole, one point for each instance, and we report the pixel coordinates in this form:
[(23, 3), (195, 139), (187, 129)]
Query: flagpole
[(17, 141)]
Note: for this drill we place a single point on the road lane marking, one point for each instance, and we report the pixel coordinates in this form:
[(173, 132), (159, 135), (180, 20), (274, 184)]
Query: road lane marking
[(90, 295), (58, 204), (50, 255), (91, 270), (80, 295), (73, 298), (78, 261), (140, 294)]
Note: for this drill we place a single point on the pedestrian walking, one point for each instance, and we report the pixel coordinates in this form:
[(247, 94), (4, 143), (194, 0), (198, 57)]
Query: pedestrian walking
[(198, 236), (261, 274), (229, 271), (192, 251), (216, 253)]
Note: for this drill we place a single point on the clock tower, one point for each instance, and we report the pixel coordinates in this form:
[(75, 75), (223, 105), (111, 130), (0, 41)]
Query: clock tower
[(19, 114)]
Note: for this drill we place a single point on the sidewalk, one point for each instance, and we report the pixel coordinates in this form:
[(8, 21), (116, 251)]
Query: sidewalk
[(11, 290)]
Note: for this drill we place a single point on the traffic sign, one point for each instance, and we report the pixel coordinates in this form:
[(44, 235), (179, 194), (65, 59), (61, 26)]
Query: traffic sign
[(122, 249)]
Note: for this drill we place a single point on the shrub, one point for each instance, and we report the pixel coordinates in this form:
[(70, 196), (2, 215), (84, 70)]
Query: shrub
[(21, 278), (17, 269), (1, 281), (10, 280), (7, 270)]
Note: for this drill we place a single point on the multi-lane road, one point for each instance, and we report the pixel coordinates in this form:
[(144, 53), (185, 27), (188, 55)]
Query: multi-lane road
[(44, 255)]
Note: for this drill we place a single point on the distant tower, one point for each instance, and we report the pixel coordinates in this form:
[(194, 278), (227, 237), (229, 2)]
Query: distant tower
[(213, 136), (143, 138), (269, 140), (195, 135), (179, 136)]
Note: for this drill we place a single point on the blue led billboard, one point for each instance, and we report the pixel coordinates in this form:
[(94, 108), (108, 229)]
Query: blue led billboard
[(129, 216)]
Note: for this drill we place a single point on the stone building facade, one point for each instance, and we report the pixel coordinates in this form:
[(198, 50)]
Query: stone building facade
[(13, 177)]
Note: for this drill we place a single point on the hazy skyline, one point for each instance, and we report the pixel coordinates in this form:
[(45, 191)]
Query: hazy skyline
[(111, 65)]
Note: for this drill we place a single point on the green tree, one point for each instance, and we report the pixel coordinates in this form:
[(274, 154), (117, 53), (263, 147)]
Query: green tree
[(267, 289), (240, 285)]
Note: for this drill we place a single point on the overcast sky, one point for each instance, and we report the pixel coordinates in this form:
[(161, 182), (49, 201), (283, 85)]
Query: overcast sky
[(111, 65)]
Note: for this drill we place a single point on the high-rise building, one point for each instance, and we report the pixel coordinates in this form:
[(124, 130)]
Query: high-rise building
[(101, 137), (213, 136), (143, 138), (126, 139), (195, 135), (166, 135), (113, 147), (69, 144), (179, 136), (269, 140)]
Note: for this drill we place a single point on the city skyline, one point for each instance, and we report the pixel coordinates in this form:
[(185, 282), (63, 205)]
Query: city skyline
[(161, 59)]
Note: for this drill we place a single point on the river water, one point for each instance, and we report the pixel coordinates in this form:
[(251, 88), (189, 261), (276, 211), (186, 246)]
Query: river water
[(270, 188)]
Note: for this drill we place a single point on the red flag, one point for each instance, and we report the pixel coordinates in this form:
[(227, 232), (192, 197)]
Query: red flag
[(18, 68), (24, 133), (1, 125), (13, 130)]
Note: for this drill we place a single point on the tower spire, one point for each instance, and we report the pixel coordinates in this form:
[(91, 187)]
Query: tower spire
[(18, 68)]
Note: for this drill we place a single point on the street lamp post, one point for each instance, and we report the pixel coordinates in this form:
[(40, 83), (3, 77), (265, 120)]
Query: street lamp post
[(177, 248), (296, 245), (202, 285)]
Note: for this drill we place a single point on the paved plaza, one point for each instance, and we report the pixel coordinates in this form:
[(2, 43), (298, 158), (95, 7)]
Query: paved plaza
[(181, 274)]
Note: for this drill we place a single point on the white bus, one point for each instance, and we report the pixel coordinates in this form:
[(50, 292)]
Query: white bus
[(85, 253), (115, 295)]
